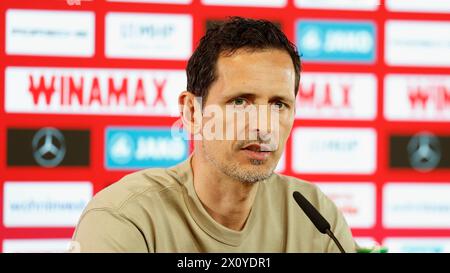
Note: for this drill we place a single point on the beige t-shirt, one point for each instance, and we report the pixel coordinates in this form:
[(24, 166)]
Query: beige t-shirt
[(158, 210)]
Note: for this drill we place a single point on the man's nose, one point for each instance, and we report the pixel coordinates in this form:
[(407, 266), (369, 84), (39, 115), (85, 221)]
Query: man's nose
[(263, 123), (264, 135)]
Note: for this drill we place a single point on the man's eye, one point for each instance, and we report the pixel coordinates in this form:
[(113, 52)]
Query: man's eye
[(238, 101), (279, 105)]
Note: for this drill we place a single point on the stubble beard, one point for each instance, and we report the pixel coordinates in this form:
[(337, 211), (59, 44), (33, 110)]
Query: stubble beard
[(237, 172)]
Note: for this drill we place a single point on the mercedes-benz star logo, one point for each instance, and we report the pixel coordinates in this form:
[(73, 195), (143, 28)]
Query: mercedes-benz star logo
[(49, 147), (424, 151)]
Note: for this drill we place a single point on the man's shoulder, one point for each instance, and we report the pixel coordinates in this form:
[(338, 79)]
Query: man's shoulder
[(134, 186)]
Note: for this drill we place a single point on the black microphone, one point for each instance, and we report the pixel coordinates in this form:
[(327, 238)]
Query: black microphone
[(321, 223)]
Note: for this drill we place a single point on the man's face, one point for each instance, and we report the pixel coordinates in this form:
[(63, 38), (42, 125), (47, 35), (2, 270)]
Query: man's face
[(255, 92)]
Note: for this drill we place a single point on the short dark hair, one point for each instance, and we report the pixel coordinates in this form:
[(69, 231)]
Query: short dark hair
[(236, 33)]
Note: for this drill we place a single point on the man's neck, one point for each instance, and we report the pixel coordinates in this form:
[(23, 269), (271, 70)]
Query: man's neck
[(227, 200)]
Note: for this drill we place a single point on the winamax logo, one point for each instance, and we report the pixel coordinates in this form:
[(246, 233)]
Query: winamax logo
[(417, 97), (141, 147), (93, 91), (346, 96), (336, 41)]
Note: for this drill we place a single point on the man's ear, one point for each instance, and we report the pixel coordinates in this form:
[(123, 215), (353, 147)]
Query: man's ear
[(190, 112)]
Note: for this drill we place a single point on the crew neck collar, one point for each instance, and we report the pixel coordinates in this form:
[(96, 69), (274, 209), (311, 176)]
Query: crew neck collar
[(201, 216)]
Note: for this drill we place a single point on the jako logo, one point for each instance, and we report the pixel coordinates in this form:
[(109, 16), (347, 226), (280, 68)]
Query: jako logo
[(336, 41), (136, 148)]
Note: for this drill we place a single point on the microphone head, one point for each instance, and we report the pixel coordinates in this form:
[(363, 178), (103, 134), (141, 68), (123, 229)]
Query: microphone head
[(316, 218)]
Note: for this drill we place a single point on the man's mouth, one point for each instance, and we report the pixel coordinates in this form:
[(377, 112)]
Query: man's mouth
[(259, 147), (258, 151)]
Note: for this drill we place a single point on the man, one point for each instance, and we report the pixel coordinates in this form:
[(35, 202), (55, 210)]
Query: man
[(226, 196)]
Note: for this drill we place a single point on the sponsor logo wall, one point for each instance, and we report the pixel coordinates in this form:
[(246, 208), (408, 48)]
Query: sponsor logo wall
[(89, 91)]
